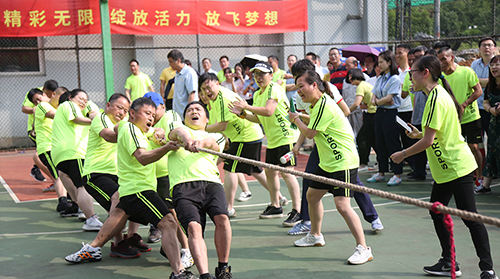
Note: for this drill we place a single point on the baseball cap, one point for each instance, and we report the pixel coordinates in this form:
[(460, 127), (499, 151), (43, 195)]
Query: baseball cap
[(263, 67), (155, 97)]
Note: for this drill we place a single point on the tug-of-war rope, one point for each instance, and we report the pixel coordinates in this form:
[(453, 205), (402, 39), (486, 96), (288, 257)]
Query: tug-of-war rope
[(436, 207)]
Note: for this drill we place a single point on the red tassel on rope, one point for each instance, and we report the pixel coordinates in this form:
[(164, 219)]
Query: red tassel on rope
[(448, 222)]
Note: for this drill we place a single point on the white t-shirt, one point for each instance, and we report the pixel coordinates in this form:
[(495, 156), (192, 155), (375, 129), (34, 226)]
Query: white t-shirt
[(406, 104)]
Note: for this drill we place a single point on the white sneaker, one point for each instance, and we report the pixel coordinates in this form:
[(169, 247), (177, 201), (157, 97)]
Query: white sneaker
[(232, 213), (92, 224), (186, 258), (283, 201), (361, 255), (377, 225), (310, 240), (245, 196), (86, 254), (363, 169), (81, 216)]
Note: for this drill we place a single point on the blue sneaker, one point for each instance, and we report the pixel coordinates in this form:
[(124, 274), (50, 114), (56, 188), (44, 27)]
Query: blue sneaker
[(394, 181), (300, 228), (376, 178)]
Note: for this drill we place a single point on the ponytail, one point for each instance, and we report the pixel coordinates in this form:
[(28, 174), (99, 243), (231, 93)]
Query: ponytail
[(327, 89), (447, 87)]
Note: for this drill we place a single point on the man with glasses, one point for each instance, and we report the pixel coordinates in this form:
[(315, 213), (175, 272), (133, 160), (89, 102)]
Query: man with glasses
[(481, 65)]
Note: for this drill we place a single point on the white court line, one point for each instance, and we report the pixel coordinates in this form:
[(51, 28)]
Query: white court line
[(11, 193)]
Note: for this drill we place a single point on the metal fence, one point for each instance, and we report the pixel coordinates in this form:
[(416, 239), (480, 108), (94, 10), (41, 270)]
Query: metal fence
[(76, 61)]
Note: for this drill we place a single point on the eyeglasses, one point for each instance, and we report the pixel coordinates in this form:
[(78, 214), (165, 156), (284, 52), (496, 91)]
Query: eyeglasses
[(487, 45), (259, 74), (411, 72)]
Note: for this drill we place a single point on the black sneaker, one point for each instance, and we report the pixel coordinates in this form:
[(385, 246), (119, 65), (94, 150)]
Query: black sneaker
[(442, 268), (293, 218), (225, 273), (61, 206), (154, 234), (186, 274), (123, 250), (135, 241), (486, 275), (71, 211), (481, 190), (272, 212), (37, 174)]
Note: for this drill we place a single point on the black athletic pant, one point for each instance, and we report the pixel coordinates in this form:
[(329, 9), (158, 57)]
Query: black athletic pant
[(387, 139), (463, 190), (366, 138)]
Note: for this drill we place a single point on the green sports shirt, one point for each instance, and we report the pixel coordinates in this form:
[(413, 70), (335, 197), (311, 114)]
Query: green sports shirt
[(101, 154), (280, 75), (43, 127), (199, 166), (133, 177), (169, 121), (69, 140), (335, 138), (28, 103), (138, 85), (277, 126), (238, 129), (449, 156), (461, 81)]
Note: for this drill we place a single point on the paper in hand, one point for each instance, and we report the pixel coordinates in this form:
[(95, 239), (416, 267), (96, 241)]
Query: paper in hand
[(403, 124)]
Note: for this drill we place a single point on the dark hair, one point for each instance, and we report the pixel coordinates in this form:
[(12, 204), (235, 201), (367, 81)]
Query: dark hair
[(314, 56), (222, 57), (204, 77), (389, 57), (432, 52), (445, 49), (372, 56), (492, 83), (33, 92), (274, 57), (356, 74), (421, 48), (133, 60), (441, 44), (176, 55), (117, 96), (405, 46), (228, 69), (50, 85), (74, 92), (311, 76), (64, 89), (412, 51), (199, 103), (301, 66), (333, 49), (206, 59), (434, 66), (140, 102), (293, 56), (64, 97), (486, 39), (188, 62)]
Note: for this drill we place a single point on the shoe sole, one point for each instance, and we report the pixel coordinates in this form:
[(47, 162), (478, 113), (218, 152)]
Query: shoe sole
[(69, 215), (298, 233), (377, 230), (244, 199), (482, 193), (369, 259), (153, 240), (45, 179), (271, 216), (443, 273), (124, 256), (307, 245), (83, 261), (288, 225), (91, 229)]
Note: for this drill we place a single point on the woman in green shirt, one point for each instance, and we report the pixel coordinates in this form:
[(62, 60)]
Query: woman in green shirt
[(452, 163), (338, 159)]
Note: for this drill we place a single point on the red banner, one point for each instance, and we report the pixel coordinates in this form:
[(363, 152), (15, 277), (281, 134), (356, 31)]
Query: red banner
[(31, 18)]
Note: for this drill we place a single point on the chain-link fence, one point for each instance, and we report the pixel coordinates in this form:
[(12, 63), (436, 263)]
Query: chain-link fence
[(76, 61)]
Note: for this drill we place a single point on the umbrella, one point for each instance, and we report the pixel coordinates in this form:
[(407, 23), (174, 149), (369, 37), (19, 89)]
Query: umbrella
[(251, 59), (359, 51)]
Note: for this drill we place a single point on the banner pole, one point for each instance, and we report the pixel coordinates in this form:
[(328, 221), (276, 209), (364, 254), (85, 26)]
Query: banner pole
[(106, 49)]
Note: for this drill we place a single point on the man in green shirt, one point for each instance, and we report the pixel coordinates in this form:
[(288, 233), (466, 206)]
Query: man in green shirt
[(138, 83), (224, 63), (278, 74), (139, 201), (465, 85), (245, 136), (197, 191)]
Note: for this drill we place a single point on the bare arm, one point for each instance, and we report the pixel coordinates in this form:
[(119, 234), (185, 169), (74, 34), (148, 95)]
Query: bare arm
[(308, 133), (151, 88), (147, 157), (290, 87), (82, 121), (357, 102), (217, 127), (109, 135), (191, 96), (483, 82), (127, 93), (267, 110), (418, 147), (387, 100), (477, 91), (28, 110), (50, 114), (298, 144), (162, 87)]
